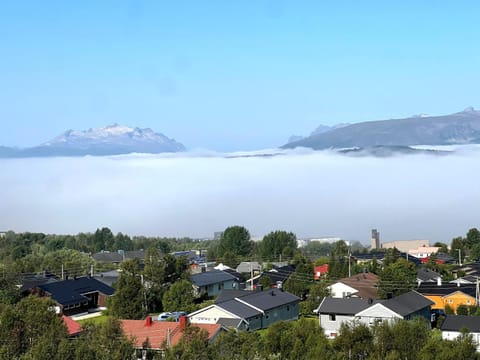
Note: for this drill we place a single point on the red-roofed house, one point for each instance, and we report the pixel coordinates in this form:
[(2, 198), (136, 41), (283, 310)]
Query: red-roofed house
[(320, 271), (73, 327), (162, 334)]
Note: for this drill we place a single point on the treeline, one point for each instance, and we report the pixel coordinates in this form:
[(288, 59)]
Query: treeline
[(304, 339)]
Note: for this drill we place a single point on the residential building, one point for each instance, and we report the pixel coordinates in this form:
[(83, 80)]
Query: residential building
[(211, 283), (77, 295), (403, 307), (277, 276), (449, 294), (161, 334), (320, 271), (425, 275), (453, 325), (423, 251), (332, 312), (74, 328), (362, 285), (247, 310), (248, 267)]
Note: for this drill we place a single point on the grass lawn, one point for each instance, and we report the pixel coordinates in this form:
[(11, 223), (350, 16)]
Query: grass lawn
[(94, 320)]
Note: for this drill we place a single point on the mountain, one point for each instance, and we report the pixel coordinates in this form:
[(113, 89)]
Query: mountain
[(110, 140), (459, 128)]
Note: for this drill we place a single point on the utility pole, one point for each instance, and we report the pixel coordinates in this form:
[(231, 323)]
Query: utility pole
[(91, 270), (62, 272), (477, 294), (459, 256), (349, 265)]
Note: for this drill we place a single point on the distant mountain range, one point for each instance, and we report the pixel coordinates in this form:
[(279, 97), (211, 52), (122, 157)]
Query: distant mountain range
[(110, 140), (459, 128)]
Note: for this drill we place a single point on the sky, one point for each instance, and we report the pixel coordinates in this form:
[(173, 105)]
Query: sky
[(231, 75), (313, 194)]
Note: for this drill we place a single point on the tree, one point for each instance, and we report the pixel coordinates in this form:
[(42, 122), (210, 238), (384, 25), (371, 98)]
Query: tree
[(235, 239), (154, 278), (192, 346), (316, 293), (355, 341), (299, 281), (278, 243), (129, 299), (397, 278), (179, 297)]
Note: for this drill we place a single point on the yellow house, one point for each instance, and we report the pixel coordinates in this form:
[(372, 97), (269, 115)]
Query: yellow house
[(448, 294)]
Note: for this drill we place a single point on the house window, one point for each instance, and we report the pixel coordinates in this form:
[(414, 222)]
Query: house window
[(450, 301), (468, 302), (288, 307), (332, 317)]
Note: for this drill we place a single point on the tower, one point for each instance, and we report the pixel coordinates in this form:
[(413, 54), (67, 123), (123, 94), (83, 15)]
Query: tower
[(375, 241)]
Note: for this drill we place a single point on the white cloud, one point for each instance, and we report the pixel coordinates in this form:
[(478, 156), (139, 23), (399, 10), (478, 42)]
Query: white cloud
[(195, 194)]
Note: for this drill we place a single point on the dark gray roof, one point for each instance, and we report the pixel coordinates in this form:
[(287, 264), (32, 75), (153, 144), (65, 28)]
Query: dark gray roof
[(407, 303), (106, 256), (427, 275), (108, 277), (33, 281), (269, 299), (230, 323), (238, 308), (458, 322), (69, 292), (135, 254), (342, 306), (227, 295), (211, 277), (446, 289)]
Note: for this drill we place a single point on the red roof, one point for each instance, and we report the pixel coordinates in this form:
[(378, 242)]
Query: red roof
[(319, 271), (73, 327), (426, 259), (157, 332)]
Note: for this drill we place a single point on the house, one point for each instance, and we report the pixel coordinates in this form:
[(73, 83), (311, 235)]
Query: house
[(363, 258), (449, 294), (468, 279), (108, 257), (161, 334), (249, 310), (107, 277), (30, 282), (76, 295), (248, 267), (320, 271), (427, 276), (362, 285), (423, 251), (332, 312), (441, 258), (211, 283), (453, 325), (403, 307), (277, 276)]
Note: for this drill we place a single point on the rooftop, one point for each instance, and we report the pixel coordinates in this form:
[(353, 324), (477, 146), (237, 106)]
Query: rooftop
[(211, 277), (342, 306), (458, 322)]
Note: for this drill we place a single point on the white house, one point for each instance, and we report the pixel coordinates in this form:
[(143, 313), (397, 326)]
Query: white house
[(332, 312), (453, 325), (359, 285)]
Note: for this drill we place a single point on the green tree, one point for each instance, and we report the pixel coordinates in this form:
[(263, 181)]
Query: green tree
[(299, 281), (192, 346), (278, 243), (397, 278), (235, 239), (129, 299), (179, 297), (154, 278), (355, 341), (316, 293)]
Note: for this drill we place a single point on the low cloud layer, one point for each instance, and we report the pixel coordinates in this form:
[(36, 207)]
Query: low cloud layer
[(309, 193)]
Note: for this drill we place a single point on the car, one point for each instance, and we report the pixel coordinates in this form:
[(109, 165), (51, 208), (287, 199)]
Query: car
[(165, 316), (178, 314)]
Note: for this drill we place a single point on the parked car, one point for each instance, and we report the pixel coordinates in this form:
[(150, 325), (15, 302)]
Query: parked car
[(178, 314), (165, 316)]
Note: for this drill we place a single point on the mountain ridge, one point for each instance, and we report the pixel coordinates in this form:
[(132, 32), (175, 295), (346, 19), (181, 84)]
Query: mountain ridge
[(454, 129), (109, 140)]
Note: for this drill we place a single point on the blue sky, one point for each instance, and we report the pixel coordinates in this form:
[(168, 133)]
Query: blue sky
[(231, 75)]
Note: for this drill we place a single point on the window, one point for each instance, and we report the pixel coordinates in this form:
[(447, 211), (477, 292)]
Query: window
[(468, 302), (332, 317), (288, 307), (450, 301)]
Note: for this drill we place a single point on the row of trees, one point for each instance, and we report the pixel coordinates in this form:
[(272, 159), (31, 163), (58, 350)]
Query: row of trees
[(304, 339)]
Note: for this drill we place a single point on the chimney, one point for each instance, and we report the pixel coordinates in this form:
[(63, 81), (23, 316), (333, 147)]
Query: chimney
[(148, 321), (183, 322), (439, 281)]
